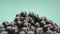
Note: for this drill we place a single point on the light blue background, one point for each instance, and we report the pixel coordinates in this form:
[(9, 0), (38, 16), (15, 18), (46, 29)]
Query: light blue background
[(48, 8)]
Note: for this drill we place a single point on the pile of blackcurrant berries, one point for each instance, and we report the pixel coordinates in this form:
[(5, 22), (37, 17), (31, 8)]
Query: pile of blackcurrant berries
[(29, 24)]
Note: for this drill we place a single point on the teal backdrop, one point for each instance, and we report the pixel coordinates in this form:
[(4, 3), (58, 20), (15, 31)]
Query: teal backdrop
[(48, 8)]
